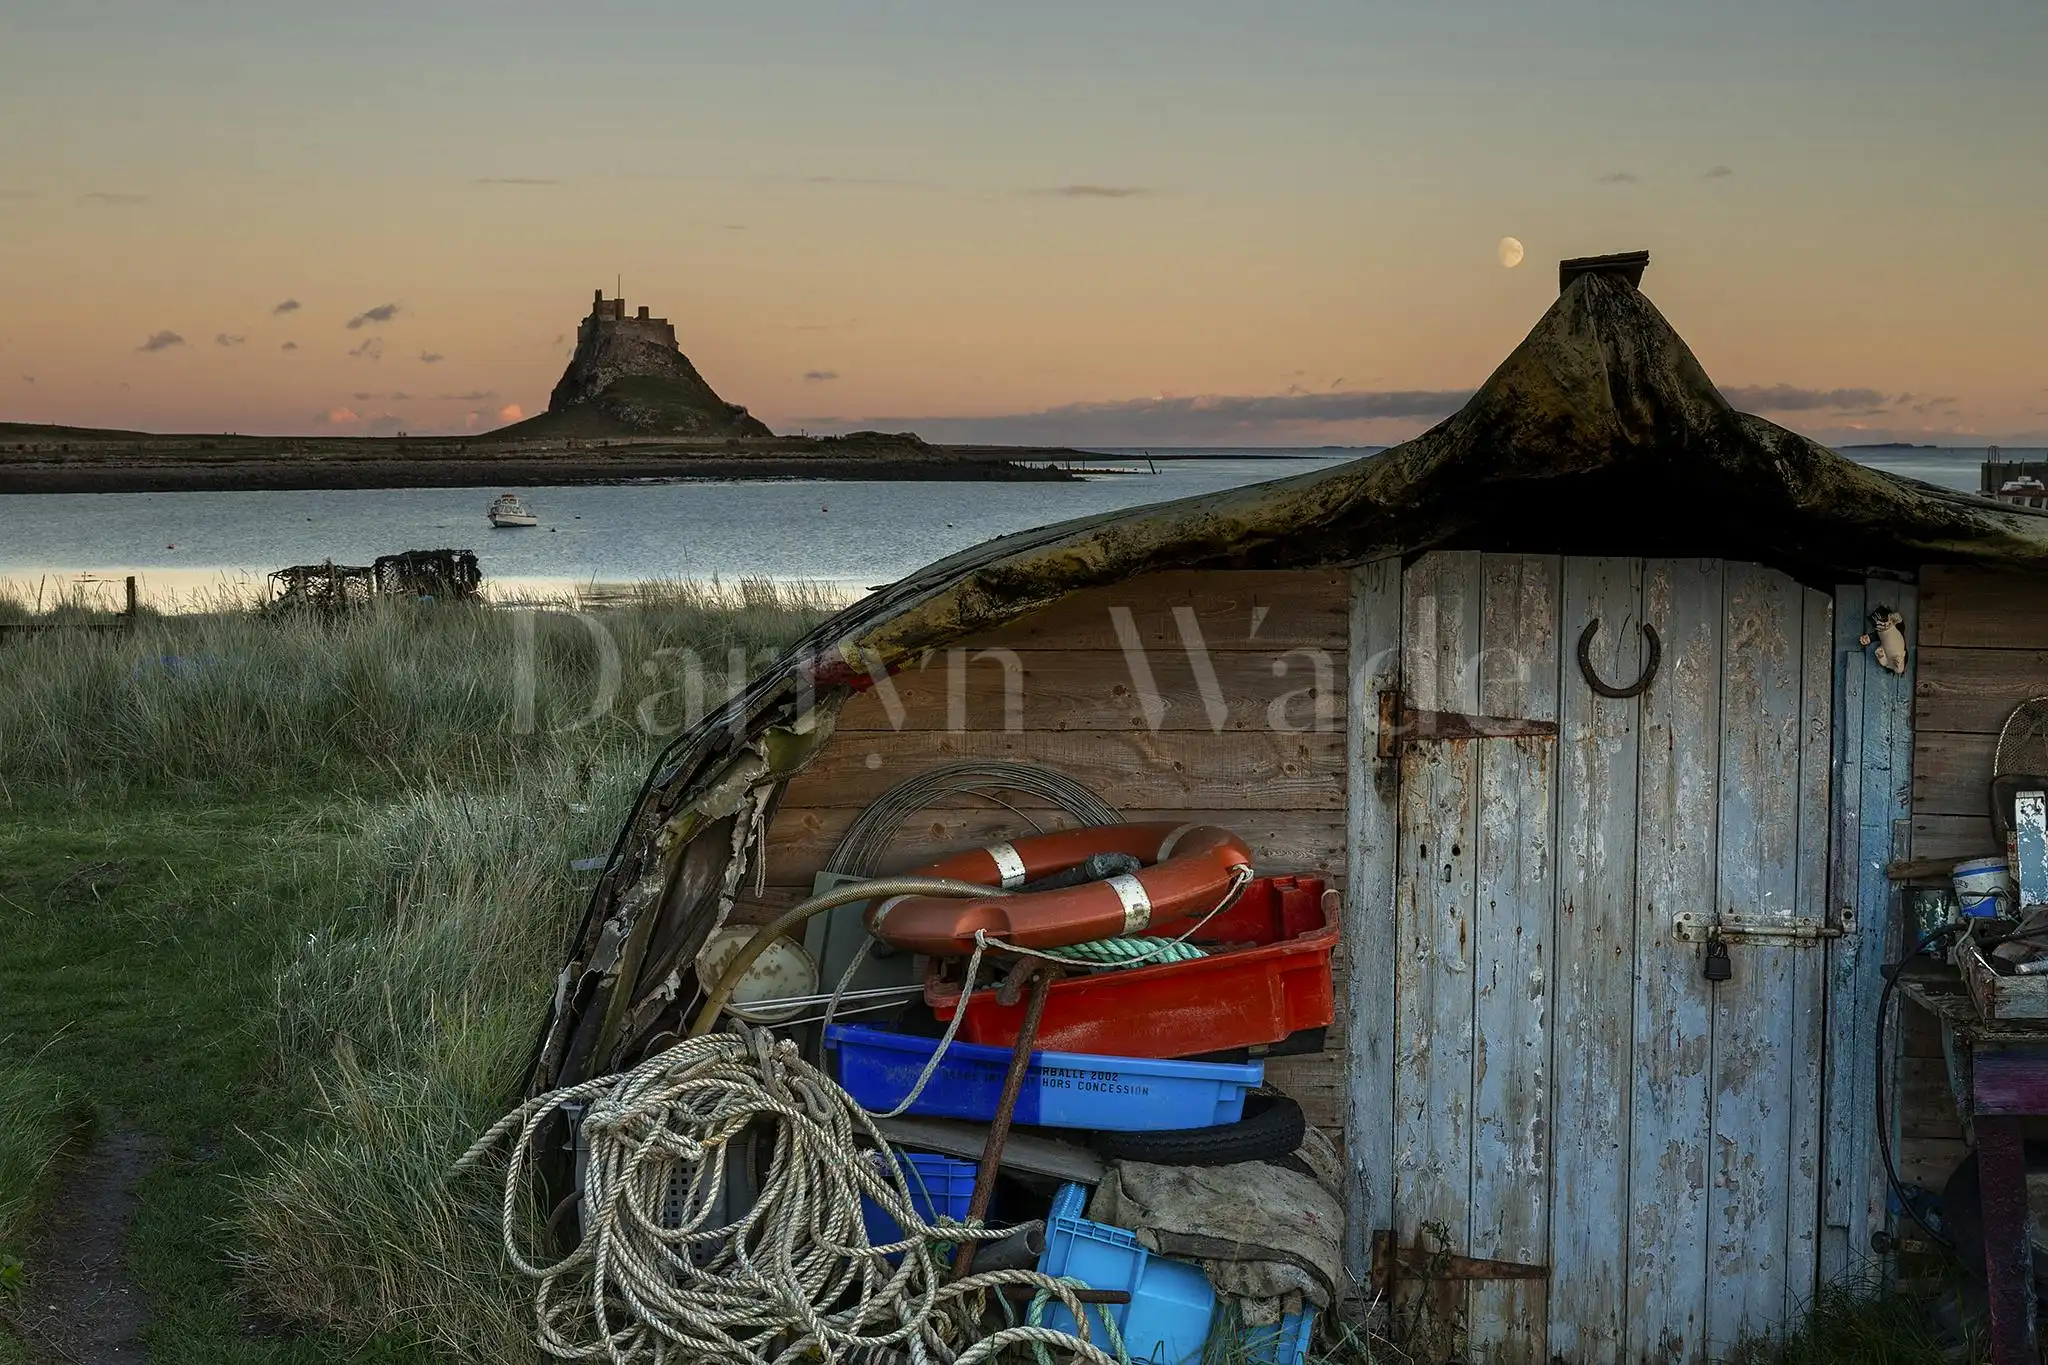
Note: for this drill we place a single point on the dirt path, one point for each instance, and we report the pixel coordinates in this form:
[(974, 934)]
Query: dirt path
[(81, 1305)]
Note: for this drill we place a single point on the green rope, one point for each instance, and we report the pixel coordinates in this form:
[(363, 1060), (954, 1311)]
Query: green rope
[(1126, 952), (1035, 1317)]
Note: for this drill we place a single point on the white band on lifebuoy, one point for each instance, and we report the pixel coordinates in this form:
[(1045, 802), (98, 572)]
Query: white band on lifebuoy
[(1009, 866), (1137, 905), (1166, 846)]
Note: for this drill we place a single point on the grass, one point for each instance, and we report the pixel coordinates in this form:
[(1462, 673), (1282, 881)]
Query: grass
[(240, 703), (292, 913), (1858, 1321), (41, 1114)]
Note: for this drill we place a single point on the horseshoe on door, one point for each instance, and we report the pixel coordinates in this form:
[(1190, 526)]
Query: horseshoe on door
[(1653, 647)]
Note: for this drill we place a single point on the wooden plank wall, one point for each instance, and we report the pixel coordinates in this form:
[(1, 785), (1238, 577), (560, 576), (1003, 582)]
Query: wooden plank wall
[(1213, 696), (1983, 650)]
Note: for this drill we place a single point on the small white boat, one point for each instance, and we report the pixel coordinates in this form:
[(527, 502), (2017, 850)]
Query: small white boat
[(2024, 491), (508, 510)]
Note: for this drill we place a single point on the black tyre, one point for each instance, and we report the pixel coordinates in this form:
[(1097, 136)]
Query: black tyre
[(1272, 1126)]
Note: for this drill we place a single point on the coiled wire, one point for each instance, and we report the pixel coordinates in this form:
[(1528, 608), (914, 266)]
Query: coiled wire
[(874, 827)]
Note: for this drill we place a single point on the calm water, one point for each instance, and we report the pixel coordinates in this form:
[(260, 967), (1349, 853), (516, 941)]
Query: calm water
[(849, 534)]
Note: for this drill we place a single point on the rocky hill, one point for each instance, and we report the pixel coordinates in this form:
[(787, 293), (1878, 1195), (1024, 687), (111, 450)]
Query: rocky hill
[(628, 377)]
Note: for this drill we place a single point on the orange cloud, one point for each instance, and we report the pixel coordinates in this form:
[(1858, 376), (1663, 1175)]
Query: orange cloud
[(511, 412), (341, 417)]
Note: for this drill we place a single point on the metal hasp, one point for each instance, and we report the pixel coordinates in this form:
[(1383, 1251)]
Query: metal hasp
[(1399, 722), (1732, 928), (1392, 1261)]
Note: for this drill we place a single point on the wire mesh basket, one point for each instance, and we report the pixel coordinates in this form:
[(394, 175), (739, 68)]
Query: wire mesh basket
[(2020, 761)]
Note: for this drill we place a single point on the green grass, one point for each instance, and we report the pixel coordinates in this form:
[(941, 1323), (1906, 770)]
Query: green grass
[(41, 1113), (236, 703), (1858, 1321), (294, 916), (137, 955)]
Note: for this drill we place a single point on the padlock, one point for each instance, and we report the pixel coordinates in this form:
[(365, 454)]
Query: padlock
[(1717, 966)]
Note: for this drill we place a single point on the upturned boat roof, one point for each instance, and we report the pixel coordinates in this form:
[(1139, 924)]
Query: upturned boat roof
[(1600, 433)]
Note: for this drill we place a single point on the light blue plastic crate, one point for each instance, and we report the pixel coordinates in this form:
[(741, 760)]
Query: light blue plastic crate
[(1172, 1303), (940, 1187), (1284, 1342), (1061, 1089)]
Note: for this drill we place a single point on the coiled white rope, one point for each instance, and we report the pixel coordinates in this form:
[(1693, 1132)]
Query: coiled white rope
[(791, 1278)]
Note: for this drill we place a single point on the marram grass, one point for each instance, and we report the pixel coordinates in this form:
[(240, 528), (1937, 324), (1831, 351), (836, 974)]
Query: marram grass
[(238, 702)]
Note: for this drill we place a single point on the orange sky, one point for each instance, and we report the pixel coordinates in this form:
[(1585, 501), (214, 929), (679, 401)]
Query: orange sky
[(914, 212)]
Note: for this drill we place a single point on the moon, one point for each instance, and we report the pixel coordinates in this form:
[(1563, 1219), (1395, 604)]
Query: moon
[(1510, 252)]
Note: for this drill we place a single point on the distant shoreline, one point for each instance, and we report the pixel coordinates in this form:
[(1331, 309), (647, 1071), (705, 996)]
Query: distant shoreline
[(73, 460)]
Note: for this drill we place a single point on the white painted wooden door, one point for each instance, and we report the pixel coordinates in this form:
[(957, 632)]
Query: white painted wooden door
[(1569, 1090)]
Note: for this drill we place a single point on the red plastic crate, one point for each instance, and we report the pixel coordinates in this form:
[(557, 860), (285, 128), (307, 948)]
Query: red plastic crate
[(1270, 977)]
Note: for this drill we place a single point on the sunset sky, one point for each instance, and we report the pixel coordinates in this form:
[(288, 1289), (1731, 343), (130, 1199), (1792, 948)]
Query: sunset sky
[(1110, 223)]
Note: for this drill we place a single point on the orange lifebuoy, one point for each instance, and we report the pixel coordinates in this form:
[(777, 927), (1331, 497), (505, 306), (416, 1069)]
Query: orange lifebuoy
[(1189, 868)]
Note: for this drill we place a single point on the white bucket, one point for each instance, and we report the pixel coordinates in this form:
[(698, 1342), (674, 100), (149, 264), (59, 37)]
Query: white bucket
[(1983, 887)]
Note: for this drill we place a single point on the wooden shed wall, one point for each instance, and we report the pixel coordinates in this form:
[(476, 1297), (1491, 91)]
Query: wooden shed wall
[(1983, 642), (1243, 723), (1983, 651)]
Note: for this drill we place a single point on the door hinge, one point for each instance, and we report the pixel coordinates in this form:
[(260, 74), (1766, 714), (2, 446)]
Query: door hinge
[(1391, 1262), (1733, 928), (1399, 722)]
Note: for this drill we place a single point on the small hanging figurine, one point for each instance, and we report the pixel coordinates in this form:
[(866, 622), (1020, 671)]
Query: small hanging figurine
[(1891, 642)]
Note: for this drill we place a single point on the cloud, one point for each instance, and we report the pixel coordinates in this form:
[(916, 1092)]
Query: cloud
[(431, 357), (1790, 398), (1619, 178), (511, 412), (1718, 172), (161, 341), (473, 396), (371, 349), (228, 339), (857, 180), (384, 423), (337, 417), (516, 180), (383, 312), (17, 194), (115, 198), (288, 306), (820, 376), (28, 379), (1209, 419), (735, 227), (289, 346), (1095, 191)]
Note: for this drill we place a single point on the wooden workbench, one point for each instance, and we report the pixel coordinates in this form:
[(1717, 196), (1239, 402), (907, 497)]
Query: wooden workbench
[(1998, 1070)]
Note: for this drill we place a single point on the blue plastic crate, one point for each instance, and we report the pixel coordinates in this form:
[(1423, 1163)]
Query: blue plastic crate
[(1284, 1342), (1061, 1089), (1172, 1303), (940, 1187)]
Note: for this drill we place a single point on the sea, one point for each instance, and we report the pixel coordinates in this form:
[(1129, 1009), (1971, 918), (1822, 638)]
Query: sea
[(843, 536)]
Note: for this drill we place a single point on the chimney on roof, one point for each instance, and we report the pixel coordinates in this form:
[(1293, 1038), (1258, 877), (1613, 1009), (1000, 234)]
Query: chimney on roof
[(1627, 265)]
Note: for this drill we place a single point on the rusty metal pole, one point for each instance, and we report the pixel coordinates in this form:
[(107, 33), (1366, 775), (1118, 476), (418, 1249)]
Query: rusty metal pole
[(1006, 1107)]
